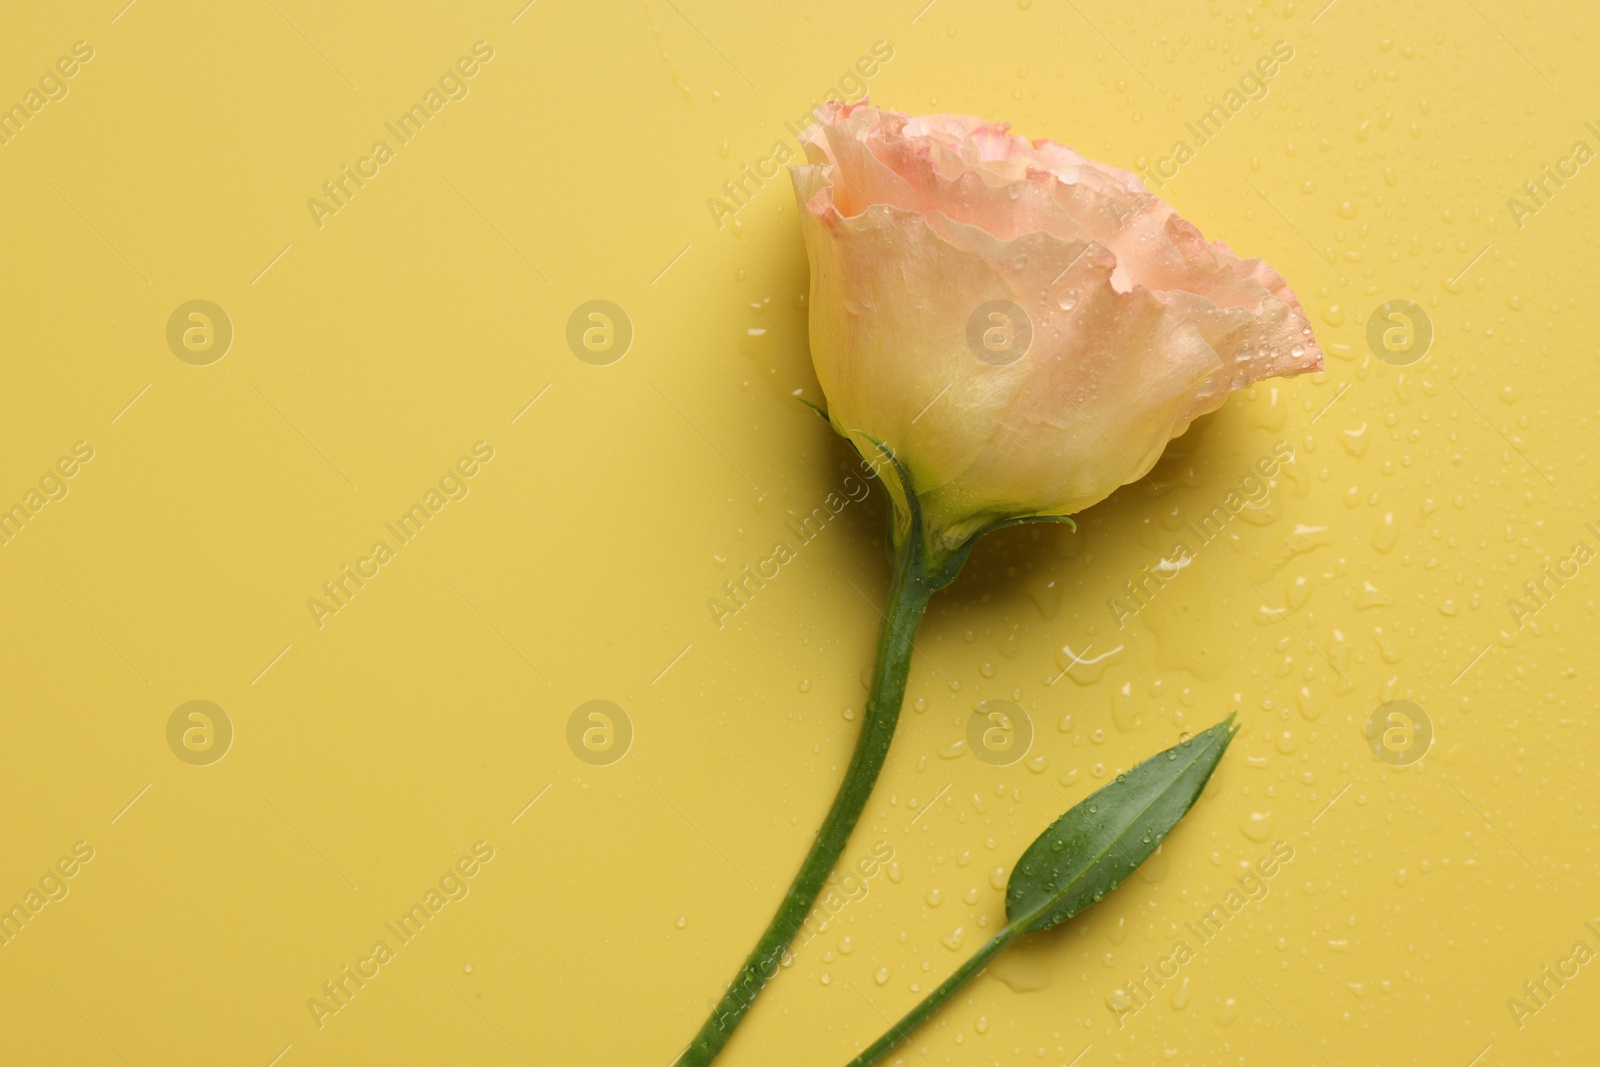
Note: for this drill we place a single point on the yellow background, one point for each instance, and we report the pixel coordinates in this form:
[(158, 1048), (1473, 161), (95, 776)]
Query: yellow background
[(372, 352)]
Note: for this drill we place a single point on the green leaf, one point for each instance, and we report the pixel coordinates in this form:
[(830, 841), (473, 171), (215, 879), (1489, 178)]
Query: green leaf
[(1087, 852)]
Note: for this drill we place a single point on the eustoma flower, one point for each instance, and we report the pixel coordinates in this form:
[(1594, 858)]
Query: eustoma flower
[(1014, 331)]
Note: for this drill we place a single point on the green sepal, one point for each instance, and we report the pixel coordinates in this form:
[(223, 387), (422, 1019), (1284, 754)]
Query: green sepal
[(815, 408)]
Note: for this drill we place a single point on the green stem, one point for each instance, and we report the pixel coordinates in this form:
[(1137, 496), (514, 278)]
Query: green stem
[(910, 589), (901, 1031)]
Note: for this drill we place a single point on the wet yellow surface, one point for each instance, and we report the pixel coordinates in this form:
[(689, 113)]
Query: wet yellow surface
[(323, 436)]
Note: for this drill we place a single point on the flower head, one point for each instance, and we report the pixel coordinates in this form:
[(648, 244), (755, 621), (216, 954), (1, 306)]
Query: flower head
[(1023, 328)]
